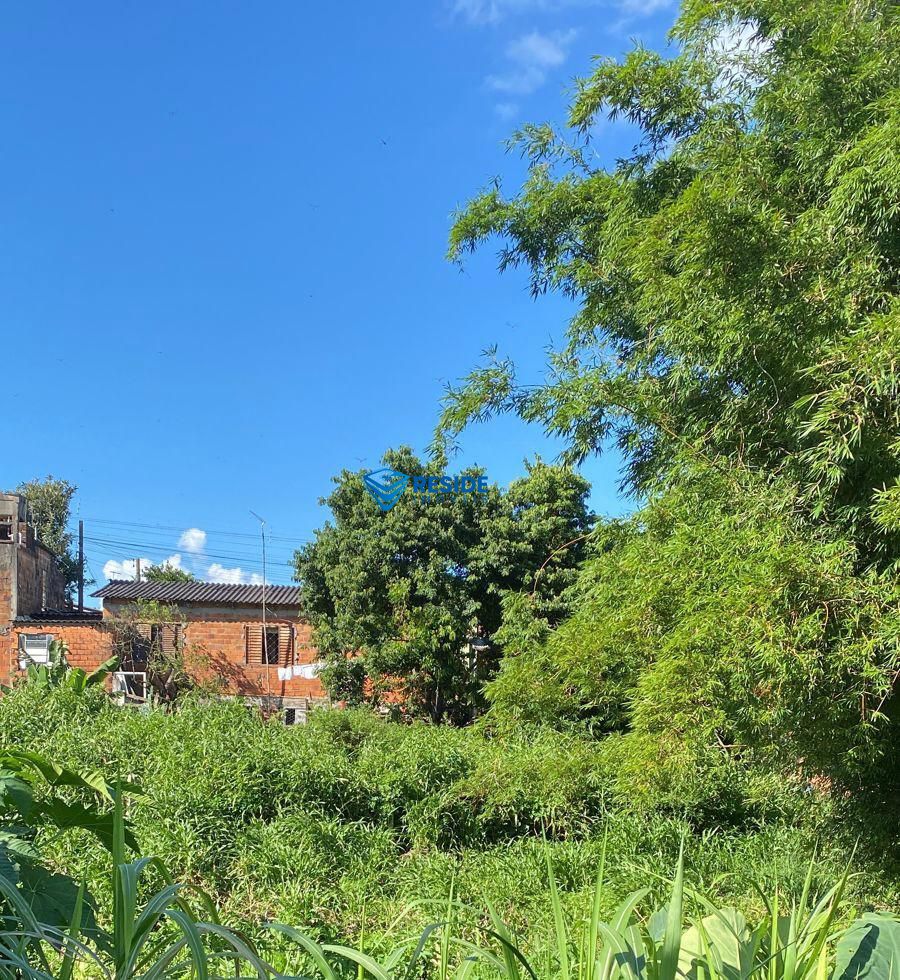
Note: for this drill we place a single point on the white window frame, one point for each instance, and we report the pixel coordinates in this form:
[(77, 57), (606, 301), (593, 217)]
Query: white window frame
[(40, 652), (120, 684)]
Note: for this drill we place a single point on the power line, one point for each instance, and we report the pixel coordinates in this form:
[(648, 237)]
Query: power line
[(180, 529), (122, 557), (162, 541), (168, 549), (131, 548), (122, 554)]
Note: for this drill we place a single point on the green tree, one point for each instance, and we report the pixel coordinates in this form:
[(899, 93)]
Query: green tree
[(716, 625), (736, 335), (736, 275), (167, 573), (49, 501), (395, 598)]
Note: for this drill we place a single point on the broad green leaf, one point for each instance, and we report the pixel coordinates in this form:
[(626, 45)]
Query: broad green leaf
[(870, 949)]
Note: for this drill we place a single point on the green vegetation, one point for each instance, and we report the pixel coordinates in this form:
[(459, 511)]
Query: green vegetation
[(398, 600), (736, 336), (362, 833), (48, 503), (716, 673), (167, 573)]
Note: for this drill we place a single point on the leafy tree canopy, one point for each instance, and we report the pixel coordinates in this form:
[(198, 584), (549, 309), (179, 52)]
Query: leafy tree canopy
[(49, 501), (713, 625), (736, 335), (395, 597), (167, 573), (737, 274)]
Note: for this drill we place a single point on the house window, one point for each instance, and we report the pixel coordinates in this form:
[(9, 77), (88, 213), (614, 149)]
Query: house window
[(165, 637), (6, 527), (34, 648), (270, 645), (130, 684)]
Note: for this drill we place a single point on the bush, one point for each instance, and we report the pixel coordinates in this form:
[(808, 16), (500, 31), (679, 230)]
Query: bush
[(350, 824)]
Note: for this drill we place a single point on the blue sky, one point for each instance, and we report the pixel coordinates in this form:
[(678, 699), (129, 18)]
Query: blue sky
[(222, 249)]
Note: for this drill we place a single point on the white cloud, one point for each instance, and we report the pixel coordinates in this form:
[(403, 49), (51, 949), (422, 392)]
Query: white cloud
[(642, 8), (542, 50), (523, 81), (123, 569), (506, 110), (483, 11), (193, 540), (232, 576), (126, 569), (532, 56), (494, 11), (173, 561)]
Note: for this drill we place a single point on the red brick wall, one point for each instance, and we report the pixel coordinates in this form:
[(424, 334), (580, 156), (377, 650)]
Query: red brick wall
[(90, 644), (215, 649)]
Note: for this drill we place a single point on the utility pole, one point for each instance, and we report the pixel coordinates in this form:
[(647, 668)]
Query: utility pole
[(137, 569), (262, 531), (81, 566)]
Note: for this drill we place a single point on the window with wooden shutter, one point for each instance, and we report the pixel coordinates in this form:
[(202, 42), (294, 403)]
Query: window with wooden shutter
[(272, 648), (165, 638), (253, 648), (285, 644)]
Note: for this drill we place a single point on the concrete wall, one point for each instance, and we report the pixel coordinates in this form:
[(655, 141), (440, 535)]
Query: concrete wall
[(39, 582), (13, 506), (30, 580)]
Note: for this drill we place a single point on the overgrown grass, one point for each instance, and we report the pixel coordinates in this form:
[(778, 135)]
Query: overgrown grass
[(348, 824)]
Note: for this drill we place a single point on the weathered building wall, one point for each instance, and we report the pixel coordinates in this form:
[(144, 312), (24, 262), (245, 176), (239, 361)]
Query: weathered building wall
[(7, 577), (39, 582), (30, 580), (12, 509), (90, 643), (217, 651)]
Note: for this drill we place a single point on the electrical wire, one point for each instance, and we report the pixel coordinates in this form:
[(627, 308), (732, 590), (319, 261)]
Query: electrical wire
[(231, 551), (153, 546), (123, 541), (180, 529)]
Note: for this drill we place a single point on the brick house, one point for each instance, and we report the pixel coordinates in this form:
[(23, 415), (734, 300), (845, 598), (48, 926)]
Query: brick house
[(34, 604), (225, 636)]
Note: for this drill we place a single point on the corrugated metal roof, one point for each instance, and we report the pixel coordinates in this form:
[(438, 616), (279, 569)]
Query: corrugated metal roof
[(61, 616), (211, 593)]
